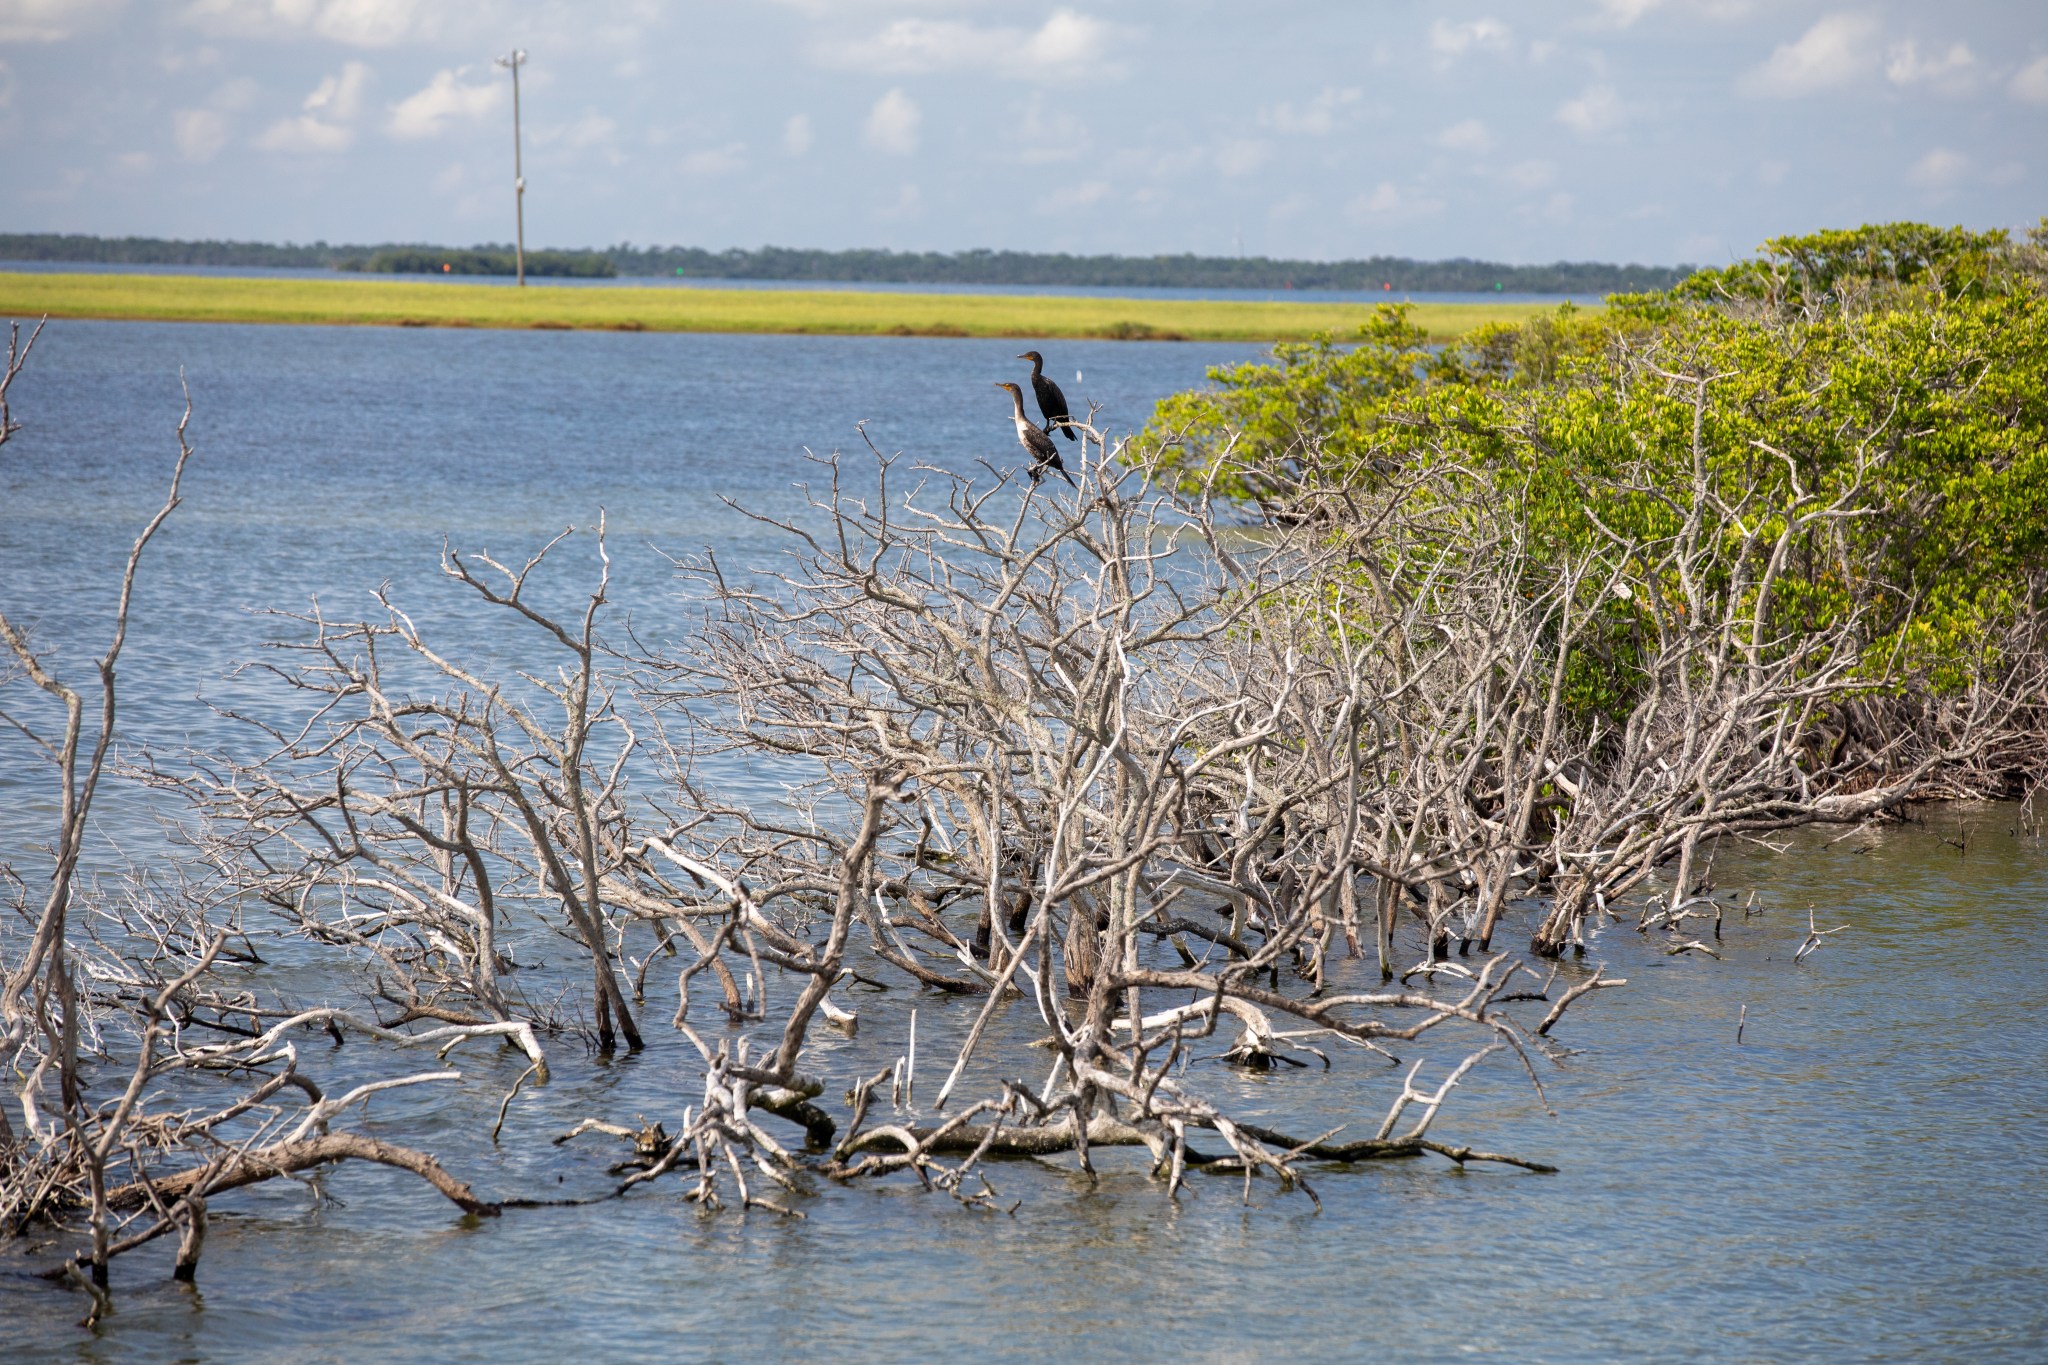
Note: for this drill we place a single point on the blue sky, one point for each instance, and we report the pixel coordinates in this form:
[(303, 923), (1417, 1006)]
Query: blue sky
[(1649, 130)]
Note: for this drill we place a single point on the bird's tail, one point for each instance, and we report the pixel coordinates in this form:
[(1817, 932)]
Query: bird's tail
[(1065, 426), (1061, 470)]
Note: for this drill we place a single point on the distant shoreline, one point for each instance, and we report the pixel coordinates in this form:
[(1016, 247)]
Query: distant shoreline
[(1220, 294), (357, 300), (880, 269)]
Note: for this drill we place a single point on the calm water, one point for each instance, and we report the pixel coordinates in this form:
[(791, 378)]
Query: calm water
[(1861, 1178)]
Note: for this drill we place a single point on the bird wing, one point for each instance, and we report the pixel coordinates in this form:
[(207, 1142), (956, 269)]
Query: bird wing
[(1039, 444), (1052, 403)]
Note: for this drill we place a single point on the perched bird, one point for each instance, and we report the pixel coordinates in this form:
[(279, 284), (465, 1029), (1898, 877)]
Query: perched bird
[(1044, 454), (1051, 401)]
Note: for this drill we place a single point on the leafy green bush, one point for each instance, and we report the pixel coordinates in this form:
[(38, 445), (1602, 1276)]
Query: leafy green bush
[(1897, 374)]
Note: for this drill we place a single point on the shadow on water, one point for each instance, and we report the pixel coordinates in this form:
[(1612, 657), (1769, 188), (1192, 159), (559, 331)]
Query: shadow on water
[(1859, 1178)]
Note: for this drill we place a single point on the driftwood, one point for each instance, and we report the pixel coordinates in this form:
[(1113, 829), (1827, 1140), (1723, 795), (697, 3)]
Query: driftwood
[(287, 1158), (1053, 1139)]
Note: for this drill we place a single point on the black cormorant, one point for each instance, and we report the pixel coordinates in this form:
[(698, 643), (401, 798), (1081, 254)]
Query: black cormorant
[(1044, 454), (1051, 401)]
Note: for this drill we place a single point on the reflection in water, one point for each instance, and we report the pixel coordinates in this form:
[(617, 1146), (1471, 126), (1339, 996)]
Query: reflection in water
[(1861, 1178)]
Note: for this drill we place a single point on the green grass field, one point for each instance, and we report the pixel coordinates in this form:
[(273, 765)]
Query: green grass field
[(411, 303)]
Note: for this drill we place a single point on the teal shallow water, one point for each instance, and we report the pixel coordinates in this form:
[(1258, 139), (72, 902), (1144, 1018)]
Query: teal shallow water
[(1861, 1179)]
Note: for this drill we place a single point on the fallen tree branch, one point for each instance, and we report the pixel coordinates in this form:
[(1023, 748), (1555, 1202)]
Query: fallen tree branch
[(285, 1158), (1050, 1139)]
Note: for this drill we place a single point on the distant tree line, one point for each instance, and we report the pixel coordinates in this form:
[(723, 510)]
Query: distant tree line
[(391, 258), (426, 260), (52, 246), (1167, 272), (877, 267)]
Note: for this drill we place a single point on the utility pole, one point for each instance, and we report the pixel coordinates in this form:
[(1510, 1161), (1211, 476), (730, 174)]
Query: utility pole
[(514, 62)]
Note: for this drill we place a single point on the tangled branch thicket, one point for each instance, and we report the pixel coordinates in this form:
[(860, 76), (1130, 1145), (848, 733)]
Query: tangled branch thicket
[(1109, 759)]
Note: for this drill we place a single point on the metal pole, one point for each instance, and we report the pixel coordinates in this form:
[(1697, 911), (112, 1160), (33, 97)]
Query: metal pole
[(514, 61)]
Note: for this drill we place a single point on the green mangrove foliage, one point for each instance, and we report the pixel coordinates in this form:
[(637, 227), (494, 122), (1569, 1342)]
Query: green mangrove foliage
[(1897, 373), (1765, 549)]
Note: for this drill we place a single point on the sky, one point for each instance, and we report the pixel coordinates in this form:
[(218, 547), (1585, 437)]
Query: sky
[(1657, 131)]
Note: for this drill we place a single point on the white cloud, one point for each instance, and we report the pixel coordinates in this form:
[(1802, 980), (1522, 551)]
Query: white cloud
[(826, 9), (1068, 45), (239, 93), (892, 124), (199, 133), (1387, 202), (1320, 117), (1953, 72), (367, 23), (1067, 39), (50, 21), (357, 23), (1467, 136), (328, 110), (591, 130), (1240, 156), (1049, 135), (619, 27), (1938, 170), (173, 61), (305, 134), (340, 96), (1622, 13), (1598, 110), (1835, 51), (715, 160), (2030, 83), (1531, 175), (1062, 198), (446, 99), (796, 134), (1448, 40)]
